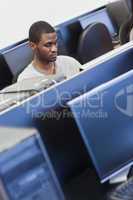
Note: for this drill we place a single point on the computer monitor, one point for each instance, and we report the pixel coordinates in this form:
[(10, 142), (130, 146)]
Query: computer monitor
[(99, 16), (17, 57), (104, 117)]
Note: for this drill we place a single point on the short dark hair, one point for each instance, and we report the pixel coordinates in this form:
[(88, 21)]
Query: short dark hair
[(37, 29)]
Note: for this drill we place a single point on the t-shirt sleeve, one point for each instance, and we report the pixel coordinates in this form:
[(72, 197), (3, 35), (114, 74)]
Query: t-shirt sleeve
[(20, 77), (23, 76), (74, 67)]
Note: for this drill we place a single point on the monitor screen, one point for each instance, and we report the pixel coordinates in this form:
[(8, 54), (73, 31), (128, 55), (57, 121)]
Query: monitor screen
[(105, 120), (99, 16)]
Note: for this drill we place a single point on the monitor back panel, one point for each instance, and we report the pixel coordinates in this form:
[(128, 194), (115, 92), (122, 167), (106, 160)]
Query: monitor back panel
[(25, 173), (105, 119)]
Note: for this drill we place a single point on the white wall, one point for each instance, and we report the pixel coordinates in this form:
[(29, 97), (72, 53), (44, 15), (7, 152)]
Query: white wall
[(16, 16)]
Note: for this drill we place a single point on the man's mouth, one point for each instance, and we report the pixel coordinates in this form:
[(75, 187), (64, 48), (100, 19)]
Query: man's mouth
[(54, 56)]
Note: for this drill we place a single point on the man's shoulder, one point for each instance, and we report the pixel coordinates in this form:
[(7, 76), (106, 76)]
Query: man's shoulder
[(68, 61), (66, 58), (69, 65), (29, 67), (27, 72)]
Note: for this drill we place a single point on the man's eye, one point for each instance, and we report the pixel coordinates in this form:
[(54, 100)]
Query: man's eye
[(48, 45)]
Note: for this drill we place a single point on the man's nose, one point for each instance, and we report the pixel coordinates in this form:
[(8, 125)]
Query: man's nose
[(54, 48)]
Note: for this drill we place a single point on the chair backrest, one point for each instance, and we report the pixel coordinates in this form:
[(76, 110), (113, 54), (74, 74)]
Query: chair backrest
[(119, 12), (94, 41), (125, 29)]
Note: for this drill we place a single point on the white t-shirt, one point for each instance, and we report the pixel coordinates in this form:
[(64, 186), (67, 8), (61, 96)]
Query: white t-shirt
[(65, 65)]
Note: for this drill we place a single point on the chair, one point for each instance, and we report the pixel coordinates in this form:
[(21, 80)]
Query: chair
[(94, 41), (119, 12), (125, 29)]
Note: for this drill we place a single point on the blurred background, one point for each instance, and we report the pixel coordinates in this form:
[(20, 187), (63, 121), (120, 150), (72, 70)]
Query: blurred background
[(17, 15)]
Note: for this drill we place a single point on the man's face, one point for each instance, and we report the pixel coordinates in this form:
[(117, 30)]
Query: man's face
[(46, 48)]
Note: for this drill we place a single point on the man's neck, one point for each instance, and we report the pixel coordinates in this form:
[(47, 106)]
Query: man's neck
[(44, 67)]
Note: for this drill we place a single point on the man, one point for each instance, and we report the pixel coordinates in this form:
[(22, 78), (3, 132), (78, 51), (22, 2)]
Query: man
[(46, 63)]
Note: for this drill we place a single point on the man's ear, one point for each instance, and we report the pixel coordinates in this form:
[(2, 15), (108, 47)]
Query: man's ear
[(32, 45)]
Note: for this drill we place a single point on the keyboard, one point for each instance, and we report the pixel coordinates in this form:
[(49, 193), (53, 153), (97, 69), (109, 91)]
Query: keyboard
[(123, 191)]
